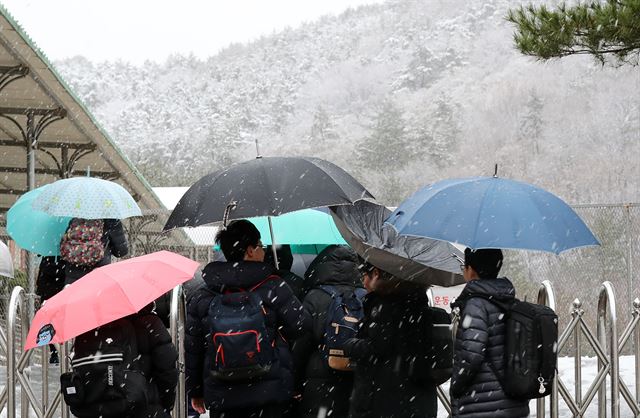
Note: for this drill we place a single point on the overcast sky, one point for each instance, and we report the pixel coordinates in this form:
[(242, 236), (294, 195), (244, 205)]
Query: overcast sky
[(135, 30)]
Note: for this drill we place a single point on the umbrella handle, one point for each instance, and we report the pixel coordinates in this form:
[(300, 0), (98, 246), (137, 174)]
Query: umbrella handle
[(231, 206)]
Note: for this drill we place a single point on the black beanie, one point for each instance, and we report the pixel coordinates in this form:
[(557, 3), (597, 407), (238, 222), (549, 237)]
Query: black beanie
[(486, 262)]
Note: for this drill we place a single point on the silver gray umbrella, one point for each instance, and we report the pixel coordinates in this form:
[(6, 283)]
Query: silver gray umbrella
[(410, 258)]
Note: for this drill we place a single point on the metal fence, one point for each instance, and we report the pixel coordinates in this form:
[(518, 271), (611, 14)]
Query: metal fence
[(577, 274), (31, 387)]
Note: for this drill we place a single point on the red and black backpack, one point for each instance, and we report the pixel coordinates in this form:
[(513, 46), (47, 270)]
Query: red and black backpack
[(242, 341)]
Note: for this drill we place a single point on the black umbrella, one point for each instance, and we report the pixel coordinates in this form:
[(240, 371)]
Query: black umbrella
[(267, 186), (410, 258)]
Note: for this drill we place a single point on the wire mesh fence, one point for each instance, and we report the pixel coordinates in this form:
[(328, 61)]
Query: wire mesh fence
[(578, 274)]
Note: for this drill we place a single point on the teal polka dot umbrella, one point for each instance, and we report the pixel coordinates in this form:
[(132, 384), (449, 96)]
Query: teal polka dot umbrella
[(88, 198)]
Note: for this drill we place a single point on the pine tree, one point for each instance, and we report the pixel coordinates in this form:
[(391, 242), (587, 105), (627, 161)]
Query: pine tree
[(599, 28), (436, 134), (387, 147), (531, 123), (322, 128)]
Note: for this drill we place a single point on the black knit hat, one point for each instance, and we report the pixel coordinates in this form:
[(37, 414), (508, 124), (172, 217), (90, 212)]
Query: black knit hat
[(486, 262)]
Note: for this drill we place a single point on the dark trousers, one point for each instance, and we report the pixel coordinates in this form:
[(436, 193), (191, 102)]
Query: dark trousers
[(265, 411)]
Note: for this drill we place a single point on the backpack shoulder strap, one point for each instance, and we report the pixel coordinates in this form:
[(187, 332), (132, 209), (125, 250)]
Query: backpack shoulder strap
[(268, 278), (330, 290), (360, 292), (504, 306)]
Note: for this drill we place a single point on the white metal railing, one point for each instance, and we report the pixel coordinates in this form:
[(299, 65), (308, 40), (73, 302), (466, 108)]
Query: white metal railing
[(605, 344), (607, 348), (18, 362)]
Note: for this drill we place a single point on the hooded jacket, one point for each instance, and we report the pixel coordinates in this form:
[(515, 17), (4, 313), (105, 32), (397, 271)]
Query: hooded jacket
[(393, 334), (157, 362), (115, 244), (479, 347), (321, 386), (283, 313)]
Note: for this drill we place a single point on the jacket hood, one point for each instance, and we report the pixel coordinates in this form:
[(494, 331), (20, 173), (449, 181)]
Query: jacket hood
[(221, 275), (335, 265), (500, 289)]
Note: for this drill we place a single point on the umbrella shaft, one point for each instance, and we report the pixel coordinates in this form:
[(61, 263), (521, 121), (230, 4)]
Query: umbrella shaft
[(273, 244)]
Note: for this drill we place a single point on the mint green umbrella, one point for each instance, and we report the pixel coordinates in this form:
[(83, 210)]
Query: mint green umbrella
[(33, 230), (302, 227), (308, 231)]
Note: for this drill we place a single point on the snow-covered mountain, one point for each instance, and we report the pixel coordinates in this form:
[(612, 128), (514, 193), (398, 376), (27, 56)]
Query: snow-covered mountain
[(400, 94)]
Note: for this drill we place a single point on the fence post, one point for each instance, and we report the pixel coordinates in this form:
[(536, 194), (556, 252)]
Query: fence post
[(64, 367), (548, 298), (607, 321), (17, 302), (177, 324)]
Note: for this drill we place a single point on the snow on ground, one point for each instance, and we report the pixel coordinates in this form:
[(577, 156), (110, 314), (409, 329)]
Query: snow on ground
[(589, 372), (565, 366)]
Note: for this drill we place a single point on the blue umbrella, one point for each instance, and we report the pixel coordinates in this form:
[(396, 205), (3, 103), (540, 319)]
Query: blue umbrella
[(33, 230), (88, 198), (491, 212)]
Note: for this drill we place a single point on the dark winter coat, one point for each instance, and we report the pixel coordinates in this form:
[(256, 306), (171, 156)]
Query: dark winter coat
[(157, 362), (393, 333), (479, 346), (156, 359), (50, 278), (299, 285), (321, 386), (115, 243), (283, 312)]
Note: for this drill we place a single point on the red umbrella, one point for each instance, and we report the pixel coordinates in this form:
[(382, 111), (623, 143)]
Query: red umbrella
[(106, 294)]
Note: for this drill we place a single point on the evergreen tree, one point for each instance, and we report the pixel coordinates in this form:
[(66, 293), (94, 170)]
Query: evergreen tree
[(436, 134), (322, 128), (598, 28), (387, 147), (531, 123)]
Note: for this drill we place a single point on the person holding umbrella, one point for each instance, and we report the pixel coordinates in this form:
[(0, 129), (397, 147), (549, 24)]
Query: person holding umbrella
[(94, 303), (479, 346), (334, 274), (147, 353), (393, 339), (238, 360), (90, 243)]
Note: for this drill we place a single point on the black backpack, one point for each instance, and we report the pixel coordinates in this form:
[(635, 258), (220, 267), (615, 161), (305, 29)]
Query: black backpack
[(531, 349), (105, 381), (242, 346), (344, 317), (439, 360)]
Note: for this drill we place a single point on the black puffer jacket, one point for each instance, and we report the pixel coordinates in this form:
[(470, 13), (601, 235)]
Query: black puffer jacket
[(115, 244), (157, 362), (394, 333), (321, 386), (475, 389), (284, 312)]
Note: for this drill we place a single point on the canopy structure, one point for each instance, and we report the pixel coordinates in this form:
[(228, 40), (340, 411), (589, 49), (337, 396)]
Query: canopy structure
[(40, 115), (47, 133)]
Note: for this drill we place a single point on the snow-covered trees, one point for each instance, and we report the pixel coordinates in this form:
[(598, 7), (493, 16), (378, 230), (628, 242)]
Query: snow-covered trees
[(400, 94)]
